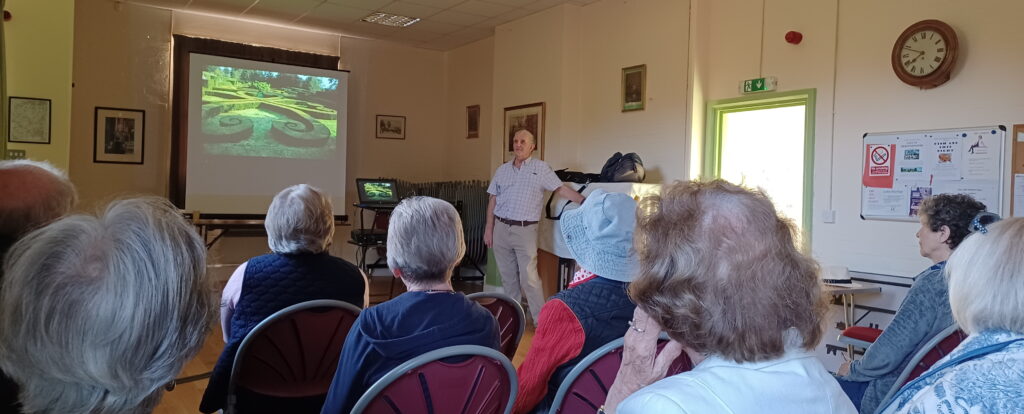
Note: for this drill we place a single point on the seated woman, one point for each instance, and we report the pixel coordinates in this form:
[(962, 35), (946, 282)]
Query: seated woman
[(595, 308), (425, 243), (300, 227), (97, 314), (925, 310), (721, 274), (986, 291)]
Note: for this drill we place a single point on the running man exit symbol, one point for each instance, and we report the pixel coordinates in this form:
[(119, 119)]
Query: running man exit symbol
[(758, 85)]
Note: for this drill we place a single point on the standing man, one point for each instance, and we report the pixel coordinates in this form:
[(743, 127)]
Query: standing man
[(517, 191)]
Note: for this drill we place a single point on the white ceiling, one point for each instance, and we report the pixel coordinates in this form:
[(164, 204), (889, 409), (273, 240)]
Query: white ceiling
[(445, 24)]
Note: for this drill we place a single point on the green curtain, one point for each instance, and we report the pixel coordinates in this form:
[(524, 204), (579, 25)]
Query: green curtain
[(3, 87)]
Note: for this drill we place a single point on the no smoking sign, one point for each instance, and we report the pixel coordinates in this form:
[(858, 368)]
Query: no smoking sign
[(879, 161)]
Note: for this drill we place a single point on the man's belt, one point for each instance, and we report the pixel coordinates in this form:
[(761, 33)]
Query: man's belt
[(520, 223)]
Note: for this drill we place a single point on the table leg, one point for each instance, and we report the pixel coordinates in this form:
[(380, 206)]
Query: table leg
[(848, 320)]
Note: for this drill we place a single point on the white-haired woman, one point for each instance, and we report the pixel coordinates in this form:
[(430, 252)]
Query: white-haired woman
[(424, 244), (300, 227), (985, 374), (97, 314)]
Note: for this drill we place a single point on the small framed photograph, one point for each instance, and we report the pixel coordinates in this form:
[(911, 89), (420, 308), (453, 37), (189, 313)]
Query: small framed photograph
[(473, 121), (529, 117), (390, 126), (634, 88), (119, 135), (28, 120)]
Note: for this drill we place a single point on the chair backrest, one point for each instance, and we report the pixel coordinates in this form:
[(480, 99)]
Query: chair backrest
[(292, 353), (510, 316), (931, 352), (585, 388), (468, 379)]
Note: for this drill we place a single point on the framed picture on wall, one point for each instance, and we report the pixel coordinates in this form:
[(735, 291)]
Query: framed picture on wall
[(28, 120), (473, 121), (634, 88), (390, 126), (529, 117), (119, 135)]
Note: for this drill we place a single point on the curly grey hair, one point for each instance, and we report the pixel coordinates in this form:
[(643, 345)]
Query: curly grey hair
[(43, 191), (425, 239), (97, 314), (300, 220)]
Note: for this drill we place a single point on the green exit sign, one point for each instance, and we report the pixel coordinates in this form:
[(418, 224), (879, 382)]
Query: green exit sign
[(758, 85)]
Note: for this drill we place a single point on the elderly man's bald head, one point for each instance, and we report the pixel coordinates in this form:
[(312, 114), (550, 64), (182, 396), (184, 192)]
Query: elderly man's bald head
[(32, 193)]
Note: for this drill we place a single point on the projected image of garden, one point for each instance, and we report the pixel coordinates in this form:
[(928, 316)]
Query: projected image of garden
[(258, 113)]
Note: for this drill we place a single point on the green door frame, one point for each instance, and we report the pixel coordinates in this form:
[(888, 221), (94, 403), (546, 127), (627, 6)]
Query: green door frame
[(716, 110)]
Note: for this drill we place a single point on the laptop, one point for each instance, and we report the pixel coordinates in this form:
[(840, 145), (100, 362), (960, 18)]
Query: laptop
[(377, 193)]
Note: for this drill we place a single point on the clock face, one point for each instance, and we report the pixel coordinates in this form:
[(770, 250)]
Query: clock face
[(923, 52)]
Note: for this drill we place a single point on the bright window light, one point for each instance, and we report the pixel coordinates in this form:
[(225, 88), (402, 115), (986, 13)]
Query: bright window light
[(765, 148)]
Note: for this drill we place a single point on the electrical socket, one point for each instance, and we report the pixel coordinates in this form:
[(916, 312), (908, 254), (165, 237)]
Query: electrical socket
[(15, 154)]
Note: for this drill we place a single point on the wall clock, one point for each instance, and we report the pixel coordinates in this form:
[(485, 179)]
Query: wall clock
[(924, 55)]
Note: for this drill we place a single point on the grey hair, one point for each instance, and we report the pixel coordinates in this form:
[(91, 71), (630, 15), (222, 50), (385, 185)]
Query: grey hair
[(300, 220), (425, 239), (97, 314), (35, 193), (986, 279)]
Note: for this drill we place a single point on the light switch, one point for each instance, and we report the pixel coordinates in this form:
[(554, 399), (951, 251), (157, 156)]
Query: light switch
[(15, 154)]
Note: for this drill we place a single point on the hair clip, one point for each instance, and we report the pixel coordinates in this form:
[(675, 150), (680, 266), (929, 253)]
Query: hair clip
[(982, 220)]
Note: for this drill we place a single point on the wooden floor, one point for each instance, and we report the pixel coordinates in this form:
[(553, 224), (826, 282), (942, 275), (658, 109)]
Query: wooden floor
[(185, 397)]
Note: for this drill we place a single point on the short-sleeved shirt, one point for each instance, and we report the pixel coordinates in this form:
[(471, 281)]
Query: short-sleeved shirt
[(519, 192)]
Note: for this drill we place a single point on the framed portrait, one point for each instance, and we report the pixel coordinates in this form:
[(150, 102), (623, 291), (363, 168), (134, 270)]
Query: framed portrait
[(28, 120), (390, 126), (634, 88), (473, 121), (529, 117), (119, 135)]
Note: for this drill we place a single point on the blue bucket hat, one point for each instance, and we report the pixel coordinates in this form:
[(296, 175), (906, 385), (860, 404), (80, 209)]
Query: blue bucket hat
[(599, 235)]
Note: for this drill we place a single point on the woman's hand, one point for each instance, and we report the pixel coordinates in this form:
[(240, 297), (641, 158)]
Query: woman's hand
[(844, 369), (641, 363)]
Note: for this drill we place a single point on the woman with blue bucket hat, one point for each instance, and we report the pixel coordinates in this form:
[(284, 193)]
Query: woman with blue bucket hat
[(595, 309)]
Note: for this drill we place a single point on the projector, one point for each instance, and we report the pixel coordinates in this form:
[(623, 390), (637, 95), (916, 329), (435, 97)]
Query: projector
[(370, 236)]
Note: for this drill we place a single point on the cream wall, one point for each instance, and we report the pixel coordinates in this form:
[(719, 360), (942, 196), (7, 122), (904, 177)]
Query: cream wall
[(534, 61), (845, 57), (469, 76), (42, 72), (618, 34)]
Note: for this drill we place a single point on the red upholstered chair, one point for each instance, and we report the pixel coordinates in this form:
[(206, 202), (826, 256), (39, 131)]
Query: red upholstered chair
[(931, 352), (289, 359), (466, 379), (859, 336), (586, 387), (510, 316)]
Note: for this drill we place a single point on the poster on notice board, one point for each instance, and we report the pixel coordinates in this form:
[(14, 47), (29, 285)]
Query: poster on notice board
[(900, 169)]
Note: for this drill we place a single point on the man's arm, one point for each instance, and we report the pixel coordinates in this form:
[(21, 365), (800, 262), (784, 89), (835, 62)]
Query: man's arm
[(570, 194), (489, 226)]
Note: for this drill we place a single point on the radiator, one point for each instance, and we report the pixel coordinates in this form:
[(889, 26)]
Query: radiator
[(470, 197)]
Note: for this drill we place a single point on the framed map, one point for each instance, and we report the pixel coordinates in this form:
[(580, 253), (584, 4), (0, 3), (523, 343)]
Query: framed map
[(28, 120)]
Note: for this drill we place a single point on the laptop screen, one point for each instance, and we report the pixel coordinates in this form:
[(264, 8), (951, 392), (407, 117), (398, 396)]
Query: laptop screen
[(377, 191)]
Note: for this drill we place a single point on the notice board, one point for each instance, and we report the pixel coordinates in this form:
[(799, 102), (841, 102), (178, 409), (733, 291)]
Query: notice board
[(899, 169)]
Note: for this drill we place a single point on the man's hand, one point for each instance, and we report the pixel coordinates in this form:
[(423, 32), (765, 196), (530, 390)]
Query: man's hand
[(489, 237)]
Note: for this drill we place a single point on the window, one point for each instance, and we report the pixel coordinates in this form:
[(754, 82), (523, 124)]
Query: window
[(766, 141)]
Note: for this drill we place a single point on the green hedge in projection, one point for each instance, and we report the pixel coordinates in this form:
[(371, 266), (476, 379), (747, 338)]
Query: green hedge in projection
[(258, 113)]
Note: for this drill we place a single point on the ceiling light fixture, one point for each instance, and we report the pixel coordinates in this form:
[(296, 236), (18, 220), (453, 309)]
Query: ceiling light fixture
[(388, 19)]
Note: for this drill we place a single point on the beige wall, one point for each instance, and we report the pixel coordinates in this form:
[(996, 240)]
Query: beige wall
[(39, 41), (845, 57), (122, 59), (617, 34), (469, 76)]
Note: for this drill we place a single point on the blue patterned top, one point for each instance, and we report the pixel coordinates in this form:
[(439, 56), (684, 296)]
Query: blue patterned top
[(991, 383)]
